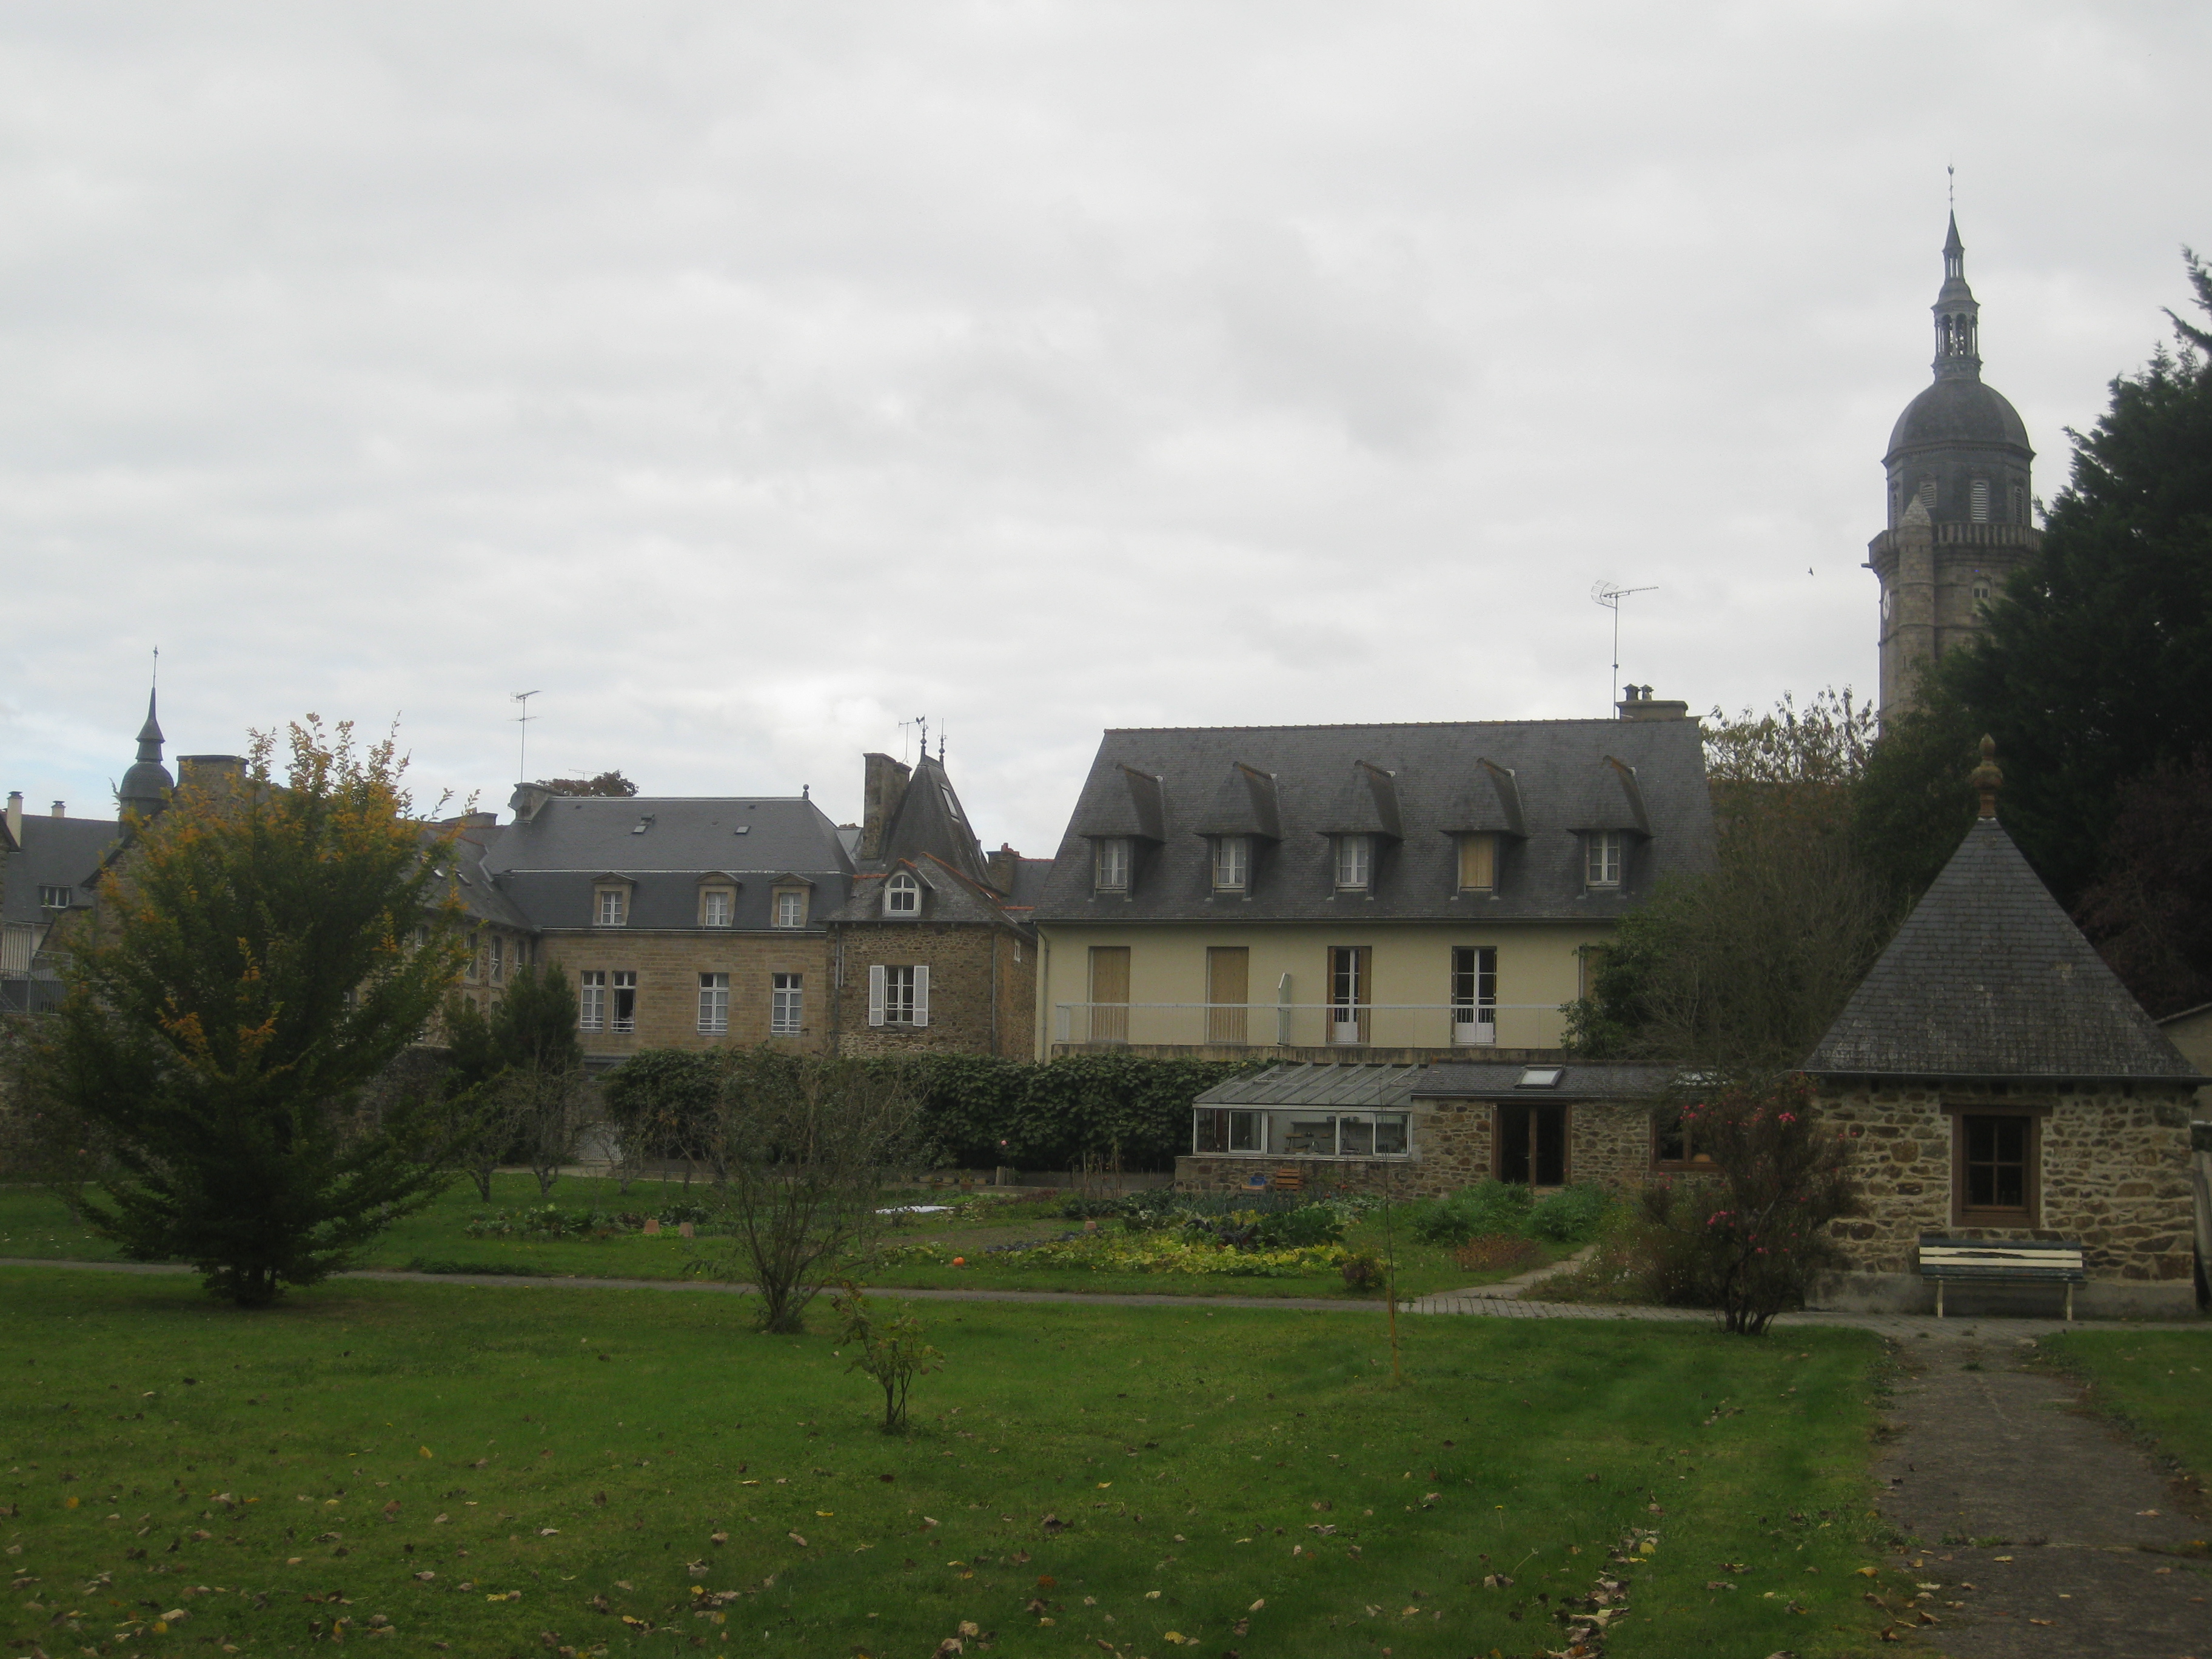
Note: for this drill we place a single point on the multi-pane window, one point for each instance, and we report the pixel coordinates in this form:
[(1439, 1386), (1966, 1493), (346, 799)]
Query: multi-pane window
[(718, 907), (472, 970), (791, 908), (786, 1007), (1355, 861), (1349, 972), (713, 1003), (1111, 870), (1603, 864), (1301, 1133), (1475, 993), (591, 1001), (902, 895), (625, 1009), (1674, 1141), (898, 1002), (610, 906), (1478, 864), (56, 898), (1995, 1163), (1232, 863), (498, 960)]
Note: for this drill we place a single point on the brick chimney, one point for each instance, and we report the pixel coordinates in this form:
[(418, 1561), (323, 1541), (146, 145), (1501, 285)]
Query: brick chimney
[(1004, 866), (1637, 703), (882, 788)]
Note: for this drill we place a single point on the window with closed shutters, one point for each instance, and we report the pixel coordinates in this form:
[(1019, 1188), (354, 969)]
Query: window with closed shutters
[(1977, 500), (1109, 994), (1227, 990), (1478, 864)]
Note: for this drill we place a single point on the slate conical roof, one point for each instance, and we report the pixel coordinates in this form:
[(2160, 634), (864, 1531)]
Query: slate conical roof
[(1988, 978), (145, 787)]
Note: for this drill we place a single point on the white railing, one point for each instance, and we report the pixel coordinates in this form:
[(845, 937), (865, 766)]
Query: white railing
[(1312, 1025)]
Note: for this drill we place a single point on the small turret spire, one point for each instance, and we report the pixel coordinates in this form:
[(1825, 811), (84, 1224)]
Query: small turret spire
[(146, 787), (1958, 317)]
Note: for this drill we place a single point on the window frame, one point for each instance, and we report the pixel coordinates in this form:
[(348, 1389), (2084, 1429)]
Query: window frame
[(2029, 1212), (898, 995), (1231, 864), (1112, 861), (621, 1002), (1215, 1129), (902, 886), (592, 1000), (788, 898), (1596, 844), (609, 898), (1469, 842), (57, 898), (711, 899), (1690, 1161), (713, 1005), (1357, 853), (1468, 982), (786, 1007)]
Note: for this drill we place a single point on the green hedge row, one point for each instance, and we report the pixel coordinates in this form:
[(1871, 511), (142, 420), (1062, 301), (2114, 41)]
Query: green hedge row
[(980, 1112)]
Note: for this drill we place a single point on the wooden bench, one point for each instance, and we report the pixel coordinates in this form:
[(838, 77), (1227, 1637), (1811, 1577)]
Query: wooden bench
[(2001, 1261)]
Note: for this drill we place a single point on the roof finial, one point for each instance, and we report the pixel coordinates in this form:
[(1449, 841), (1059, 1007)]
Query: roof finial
[(1951, 185), (1986, 778)]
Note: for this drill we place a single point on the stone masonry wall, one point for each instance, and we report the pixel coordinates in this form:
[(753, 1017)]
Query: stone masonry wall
[(962, 1017), (668, 966), (2114, 1175)]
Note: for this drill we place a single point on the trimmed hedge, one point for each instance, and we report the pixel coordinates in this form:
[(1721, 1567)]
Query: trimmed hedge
[(979, 1112)]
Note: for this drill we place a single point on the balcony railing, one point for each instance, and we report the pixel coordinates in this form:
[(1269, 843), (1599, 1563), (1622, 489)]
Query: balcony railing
[(1312, 1025)]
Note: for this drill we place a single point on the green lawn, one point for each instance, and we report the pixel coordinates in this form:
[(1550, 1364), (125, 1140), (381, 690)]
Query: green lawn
[(2159, 1380), (32, 1223), (634, 1471)]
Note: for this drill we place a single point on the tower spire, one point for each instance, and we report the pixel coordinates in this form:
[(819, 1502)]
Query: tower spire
[(1958, 317), (146, 787)]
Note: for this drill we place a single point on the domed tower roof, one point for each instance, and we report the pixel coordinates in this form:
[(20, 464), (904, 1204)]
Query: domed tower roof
[(145, 787)]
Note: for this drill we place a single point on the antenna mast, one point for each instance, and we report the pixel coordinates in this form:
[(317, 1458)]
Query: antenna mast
[(1610, 594), (522, 743)]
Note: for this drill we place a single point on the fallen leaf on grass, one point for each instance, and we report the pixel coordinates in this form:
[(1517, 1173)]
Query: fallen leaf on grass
[(796, 1538)]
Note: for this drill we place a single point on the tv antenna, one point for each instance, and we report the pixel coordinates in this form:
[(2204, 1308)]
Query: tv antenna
[(1610, 594), (522, 743)]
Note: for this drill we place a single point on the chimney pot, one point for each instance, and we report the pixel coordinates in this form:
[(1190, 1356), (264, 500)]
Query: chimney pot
[(1637, 703), (59, 812)]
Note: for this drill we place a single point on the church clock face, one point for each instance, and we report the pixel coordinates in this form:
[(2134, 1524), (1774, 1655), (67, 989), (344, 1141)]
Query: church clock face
[(1889, 604)]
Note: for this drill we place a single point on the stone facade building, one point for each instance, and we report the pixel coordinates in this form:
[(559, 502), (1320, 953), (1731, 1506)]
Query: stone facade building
[(1961, 498), (2002, 1083), (934, 951)]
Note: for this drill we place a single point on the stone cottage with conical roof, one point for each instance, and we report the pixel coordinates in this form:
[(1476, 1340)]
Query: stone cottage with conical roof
[(2002, 1083)]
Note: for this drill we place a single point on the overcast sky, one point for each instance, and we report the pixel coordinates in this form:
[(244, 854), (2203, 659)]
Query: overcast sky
[(747, 379)]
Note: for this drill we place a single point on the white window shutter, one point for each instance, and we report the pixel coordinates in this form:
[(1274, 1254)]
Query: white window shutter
[(875, 993), (922, 994)]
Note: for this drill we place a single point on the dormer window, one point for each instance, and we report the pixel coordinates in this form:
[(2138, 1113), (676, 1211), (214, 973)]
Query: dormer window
[(901, 896), (791, 907), (610, 907), (1232, 863), (1602, 858), (1110, 872), (718, 907), (1355, 863), (1478, 864)]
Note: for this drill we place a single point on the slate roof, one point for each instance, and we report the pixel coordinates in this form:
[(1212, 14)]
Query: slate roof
[(1988, 978), (930, 820), (545, 864), (948, 895), (1348, 1088), (56, 853), (1539, 783), (1579, 1081)]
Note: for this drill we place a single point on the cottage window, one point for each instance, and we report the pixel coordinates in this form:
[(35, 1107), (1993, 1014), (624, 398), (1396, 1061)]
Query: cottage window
[(1478, 864), (1603, 866), (1111, 870), (1232, 863), (902, 895), (1475, 993), (610, 906), (1994, 1159), (625, 1011), (592, 1001), (713, 1003), (718, 907), (898, 994), (791, 908), (1355, 862), (1305, 1132), (1675, 1143), (786, 1004)]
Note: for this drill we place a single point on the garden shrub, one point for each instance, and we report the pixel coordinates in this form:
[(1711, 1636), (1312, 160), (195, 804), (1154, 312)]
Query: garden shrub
[(1487, 1207), (1497, 1250), (1362, 1273), (1308, 1224), (1571, 1215)]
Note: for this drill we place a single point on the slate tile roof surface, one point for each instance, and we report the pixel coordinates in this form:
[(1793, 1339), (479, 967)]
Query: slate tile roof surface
[(1989, 978), (56, 853), (1579, 1081), (1167, 786)]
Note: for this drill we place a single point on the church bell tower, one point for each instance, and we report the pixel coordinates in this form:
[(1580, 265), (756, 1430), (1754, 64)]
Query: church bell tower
[(1959, 498)]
